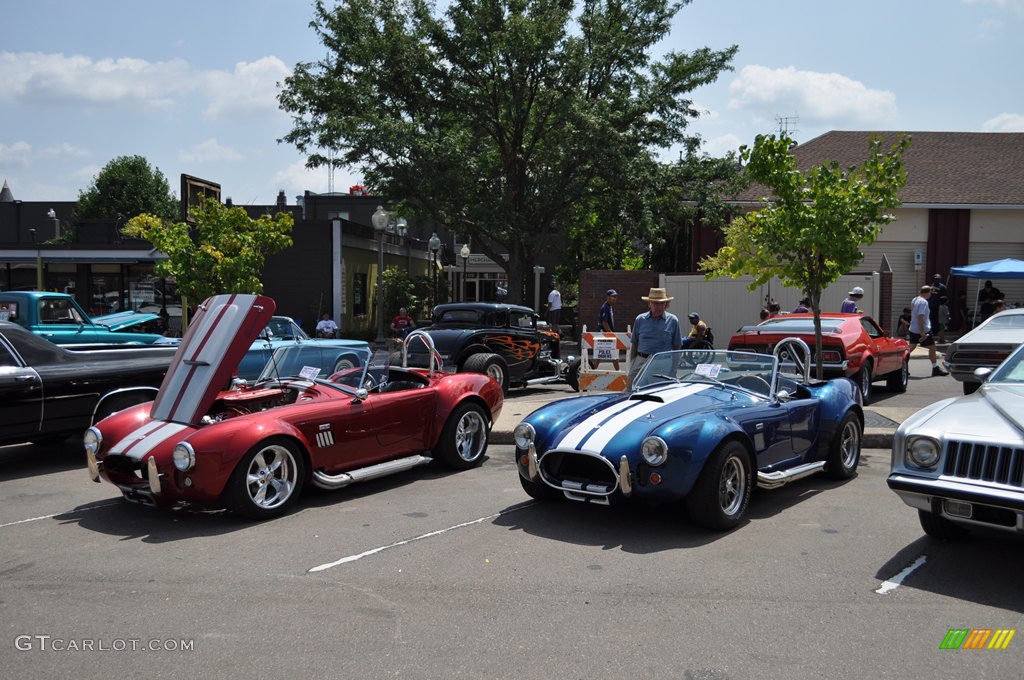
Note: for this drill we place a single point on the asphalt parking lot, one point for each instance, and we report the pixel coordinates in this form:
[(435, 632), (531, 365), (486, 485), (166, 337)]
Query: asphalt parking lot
[(433, 574)]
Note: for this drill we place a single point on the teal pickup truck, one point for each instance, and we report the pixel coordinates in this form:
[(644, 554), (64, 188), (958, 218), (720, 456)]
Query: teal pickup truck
[(59, 318)]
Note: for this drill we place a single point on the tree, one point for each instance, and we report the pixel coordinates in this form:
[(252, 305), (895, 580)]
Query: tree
[(503, 119), (810, 232), (127, 186), (223, 253)]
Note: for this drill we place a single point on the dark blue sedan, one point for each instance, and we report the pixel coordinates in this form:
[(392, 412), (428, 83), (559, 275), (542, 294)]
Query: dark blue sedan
[(702, 426)]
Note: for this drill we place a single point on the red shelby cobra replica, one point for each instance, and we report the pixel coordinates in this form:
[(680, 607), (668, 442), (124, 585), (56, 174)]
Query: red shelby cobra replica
[(853, 345), (252, 447)]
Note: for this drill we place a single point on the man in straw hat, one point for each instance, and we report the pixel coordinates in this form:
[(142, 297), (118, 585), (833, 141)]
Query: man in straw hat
[(656, 330)]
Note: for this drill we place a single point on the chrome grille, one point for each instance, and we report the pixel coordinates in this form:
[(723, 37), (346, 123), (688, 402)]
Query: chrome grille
[(985, 462)]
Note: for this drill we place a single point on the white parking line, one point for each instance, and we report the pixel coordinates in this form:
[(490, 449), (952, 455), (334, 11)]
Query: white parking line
[(897, 580), (59, 514), (374, 551)]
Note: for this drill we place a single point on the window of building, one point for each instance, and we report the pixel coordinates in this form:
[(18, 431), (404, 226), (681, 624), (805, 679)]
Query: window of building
[(359, 294)]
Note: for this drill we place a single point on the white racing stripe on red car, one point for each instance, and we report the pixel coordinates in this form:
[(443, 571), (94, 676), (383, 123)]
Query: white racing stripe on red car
[(594, 433), (146, 438)]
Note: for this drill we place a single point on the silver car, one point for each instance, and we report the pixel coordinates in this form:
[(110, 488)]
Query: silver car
[(960, 461), (985, 347)]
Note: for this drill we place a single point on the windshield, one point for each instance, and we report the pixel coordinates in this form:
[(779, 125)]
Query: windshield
[(750, 372), (1011, 370), (347, 366), (801, 323), (283, 328)]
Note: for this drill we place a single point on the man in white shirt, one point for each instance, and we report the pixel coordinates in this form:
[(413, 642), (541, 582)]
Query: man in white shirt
[(554, 308), (325, 327), (921, 330)]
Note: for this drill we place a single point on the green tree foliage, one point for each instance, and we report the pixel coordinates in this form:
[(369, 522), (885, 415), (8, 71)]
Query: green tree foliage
[(504, 119), (810, 232), (127, 186), (223, 253)]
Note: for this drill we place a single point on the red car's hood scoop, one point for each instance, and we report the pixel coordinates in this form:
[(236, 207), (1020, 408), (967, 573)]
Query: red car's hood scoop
[(219, 336)]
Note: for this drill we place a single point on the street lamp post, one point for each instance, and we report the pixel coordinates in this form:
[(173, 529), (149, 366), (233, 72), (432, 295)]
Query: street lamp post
[(384, 222), (464, 254), (434, 244)]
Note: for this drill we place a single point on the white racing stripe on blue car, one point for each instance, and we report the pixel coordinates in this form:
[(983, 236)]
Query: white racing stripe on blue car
[(594, 433)]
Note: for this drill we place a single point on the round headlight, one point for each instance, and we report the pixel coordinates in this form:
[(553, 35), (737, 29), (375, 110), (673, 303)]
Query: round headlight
[(184, 457), (524, 434), (92, 440), (923, 452), (654, 450)]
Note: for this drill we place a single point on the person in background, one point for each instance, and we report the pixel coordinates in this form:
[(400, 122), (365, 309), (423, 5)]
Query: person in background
[(764, 314), (606, 320), (804, 306), (402, 324), (987, 297), (555, 308), (934, 303), (903, 323), (943, 318), (774, 309), (656, 330), (853, 298), (325, 327), (920, 332), (999, 306), (698, 331)]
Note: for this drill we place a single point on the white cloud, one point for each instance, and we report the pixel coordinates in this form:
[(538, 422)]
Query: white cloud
[(208, 151), (250, 89), (59, 80), (719, 146), (296, 179), (1004, 122), (1015, 6), (87, 173), (63, 149), (812, 95), (16, 154)]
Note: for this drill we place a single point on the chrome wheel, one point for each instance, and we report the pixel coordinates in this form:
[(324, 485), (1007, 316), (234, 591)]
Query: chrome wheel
[(497, 372), (271, 477), (849, 444), (470, 436), (732, 486), (864, 382)]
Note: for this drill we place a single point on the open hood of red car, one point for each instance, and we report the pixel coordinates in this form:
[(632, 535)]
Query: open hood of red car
[(219, 335)]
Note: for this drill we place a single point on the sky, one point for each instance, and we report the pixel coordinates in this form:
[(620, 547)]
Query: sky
[(192, 86)]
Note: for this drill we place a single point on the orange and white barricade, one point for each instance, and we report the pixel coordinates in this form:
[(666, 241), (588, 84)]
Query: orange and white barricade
[(605, 347)]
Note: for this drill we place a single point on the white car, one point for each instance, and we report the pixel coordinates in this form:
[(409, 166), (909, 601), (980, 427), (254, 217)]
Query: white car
[(985, 347), (960, 462)]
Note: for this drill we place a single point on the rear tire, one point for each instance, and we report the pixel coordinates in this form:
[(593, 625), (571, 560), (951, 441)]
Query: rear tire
[(897, 381), (488, 364), (463, 442), (844, 452), (721, 494), (939, 527)]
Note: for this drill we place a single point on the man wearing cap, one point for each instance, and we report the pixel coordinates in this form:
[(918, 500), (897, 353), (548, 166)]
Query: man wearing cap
[(852, 298), (656, 330), (698, 331), (920, 329), (606, 321)]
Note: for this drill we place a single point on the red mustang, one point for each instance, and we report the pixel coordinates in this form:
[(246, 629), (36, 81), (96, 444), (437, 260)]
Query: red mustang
[(853, 345), (251, 448)]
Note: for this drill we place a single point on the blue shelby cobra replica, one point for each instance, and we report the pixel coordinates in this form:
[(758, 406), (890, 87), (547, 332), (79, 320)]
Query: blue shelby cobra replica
[(700, 425)]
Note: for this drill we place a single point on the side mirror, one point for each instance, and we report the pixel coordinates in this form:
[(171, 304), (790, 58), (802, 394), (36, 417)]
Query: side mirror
[(362, 394), (982, 373)]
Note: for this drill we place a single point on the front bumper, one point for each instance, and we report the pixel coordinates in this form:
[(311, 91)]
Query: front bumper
[(998, 507)]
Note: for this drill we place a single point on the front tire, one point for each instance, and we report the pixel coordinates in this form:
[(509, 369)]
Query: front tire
[(540, 491), (463, 441), (897, 381), (572, 374), (939, 527), (721, 494), (864, 381), (844, 452), (344, 363), (488, 364), (267, 480)]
